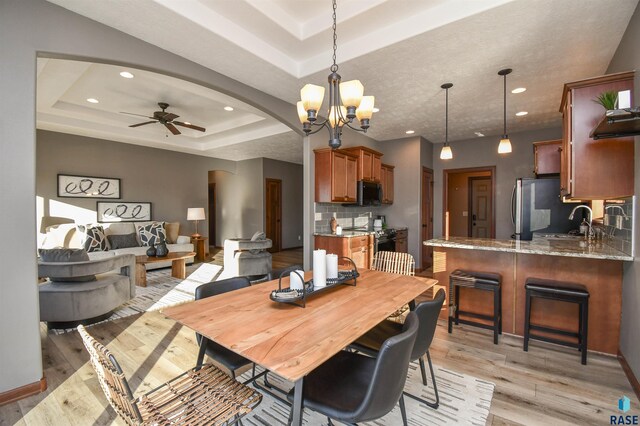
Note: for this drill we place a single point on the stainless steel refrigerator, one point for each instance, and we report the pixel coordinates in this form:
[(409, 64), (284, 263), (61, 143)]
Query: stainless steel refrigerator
[(536, 206)]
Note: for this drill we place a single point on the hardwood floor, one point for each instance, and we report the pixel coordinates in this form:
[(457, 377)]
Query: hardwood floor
[(546, 386)]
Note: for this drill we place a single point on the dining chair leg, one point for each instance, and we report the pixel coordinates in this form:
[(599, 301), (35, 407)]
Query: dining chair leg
[(435, 404), (403, 411), (423, 371)]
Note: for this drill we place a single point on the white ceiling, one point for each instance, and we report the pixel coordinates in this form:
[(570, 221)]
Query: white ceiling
[(401, 50)]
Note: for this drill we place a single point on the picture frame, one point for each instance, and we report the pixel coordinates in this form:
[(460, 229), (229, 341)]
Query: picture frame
[(123, 211), (74, 186)]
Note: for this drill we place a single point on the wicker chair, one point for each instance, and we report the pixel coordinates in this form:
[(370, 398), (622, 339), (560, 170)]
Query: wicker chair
[(395, 263), (200, 396)]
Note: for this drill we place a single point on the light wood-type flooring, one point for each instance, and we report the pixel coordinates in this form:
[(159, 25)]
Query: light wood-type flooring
[(546, 386)]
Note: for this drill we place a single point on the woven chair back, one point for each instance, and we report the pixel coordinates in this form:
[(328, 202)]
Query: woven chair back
[(394, 262), (111, 378)]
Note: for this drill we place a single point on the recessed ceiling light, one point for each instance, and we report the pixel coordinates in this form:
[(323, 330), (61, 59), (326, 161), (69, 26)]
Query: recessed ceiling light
[(228, 108), (521, 113), (375, 110), (519, 90), (410, 132), (478, 134), (126, 74), (92, 100)]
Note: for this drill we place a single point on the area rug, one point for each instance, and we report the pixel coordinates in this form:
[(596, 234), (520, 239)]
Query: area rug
[(464, 400), (162, 291)]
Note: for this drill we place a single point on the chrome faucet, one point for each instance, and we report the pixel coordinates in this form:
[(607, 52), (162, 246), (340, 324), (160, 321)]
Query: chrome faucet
[(617, 207), (582, 206)]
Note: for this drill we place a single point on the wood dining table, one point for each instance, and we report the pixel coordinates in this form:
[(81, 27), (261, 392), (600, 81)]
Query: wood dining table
[(289, 340)]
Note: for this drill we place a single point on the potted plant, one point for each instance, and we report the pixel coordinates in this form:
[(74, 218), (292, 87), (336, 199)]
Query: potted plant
[(609, 100)]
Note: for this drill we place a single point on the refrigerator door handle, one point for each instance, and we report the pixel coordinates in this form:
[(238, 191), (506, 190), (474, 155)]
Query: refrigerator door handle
[(513, 207)]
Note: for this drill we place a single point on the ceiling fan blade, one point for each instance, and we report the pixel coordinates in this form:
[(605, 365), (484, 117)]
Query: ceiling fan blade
[(172, 128), (142, 124), (191, 126), (138, 115)]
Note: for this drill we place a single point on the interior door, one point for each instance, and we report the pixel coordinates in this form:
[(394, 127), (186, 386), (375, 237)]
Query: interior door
[(480, 219), (426, 213), (273, 213)]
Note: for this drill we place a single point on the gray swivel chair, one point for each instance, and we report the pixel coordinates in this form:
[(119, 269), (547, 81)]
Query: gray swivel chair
[(351, 387), (427, 313)]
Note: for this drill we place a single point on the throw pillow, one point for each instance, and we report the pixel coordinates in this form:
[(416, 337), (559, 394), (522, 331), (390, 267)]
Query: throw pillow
[(94, 238), (117, 241), (152, 234), (66, 255), (173, 229)]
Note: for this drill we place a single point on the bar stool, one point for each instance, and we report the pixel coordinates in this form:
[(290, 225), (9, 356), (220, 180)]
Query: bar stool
[(565, 292), (482, 281)]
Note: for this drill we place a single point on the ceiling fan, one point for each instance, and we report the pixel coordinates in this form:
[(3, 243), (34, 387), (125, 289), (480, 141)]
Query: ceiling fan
[(166, 118)]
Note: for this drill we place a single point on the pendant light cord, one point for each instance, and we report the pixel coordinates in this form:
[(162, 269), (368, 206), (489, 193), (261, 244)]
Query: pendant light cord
[(446, 118), (505, 106), (334, 67)]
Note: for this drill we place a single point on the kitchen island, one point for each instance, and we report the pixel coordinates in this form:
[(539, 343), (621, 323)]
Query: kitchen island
[(595, 265)]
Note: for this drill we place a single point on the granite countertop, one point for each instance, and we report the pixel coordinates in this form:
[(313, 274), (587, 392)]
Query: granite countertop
[(345, 234), (570, 247)]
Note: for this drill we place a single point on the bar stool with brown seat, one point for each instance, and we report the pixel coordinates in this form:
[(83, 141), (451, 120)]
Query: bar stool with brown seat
[(481, 281), (565, 292)]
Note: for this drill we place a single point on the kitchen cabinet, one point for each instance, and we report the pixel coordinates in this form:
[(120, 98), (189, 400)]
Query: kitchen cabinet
[(357, 248), (369, 163), (402, 244), (335, 176), (594, 169), (387, 183), (546, 156)]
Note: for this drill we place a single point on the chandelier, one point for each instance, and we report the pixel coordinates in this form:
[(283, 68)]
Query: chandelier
[(346, 102)]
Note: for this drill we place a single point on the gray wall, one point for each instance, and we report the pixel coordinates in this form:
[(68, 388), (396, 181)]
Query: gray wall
[(27, 29), (627, 58), (291, 176), (170, 180), (480, 152)]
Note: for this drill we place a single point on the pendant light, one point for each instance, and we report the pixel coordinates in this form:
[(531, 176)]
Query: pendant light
[(446, 153), (505, 144)]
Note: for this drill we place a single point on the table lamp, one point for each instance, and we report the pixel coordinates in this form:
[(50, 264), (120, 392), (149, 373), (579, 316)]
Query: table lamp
[(195, 213)]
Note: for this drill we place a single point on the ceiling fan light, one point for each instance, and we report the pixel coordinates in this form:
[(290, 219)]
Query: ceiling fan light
[(351, 93), (312, 97), (365, 110), (302, 114), (505, 145), (334, 118), (446, 153)]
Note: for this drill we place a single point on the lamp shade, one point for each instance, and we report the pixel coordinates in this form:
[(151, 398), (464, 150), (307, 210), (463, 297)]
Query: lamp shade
[(334, 117), (505, 146), (302, 114), (351, 93), (365, 110), (446, 153), (312, 97), (195, 213)]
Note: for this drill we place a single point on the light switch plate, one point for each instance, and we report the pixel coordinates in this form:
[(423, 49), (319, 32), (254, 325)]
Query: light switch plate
[(465, 213)]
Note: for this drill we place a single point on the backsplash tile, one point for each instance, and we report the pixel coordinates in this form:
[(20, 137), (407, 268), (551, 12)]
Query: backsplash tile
[(347, 217), (618, 222)]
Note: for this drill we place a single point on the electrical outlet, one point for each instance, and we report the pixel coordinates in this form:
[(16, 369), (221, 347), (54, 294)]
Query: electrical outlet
[(299, 237)]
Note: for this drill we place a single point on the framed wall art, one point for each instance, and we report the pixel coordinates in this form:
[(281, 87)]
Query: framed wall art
[(115, 211), (71, 186)]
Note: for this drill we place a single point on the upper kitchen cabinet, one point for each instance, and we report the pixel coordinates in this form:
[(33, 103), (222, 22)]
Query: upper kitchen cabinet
[(335, 176), (546, 156), (387, 183), (593, 169), (369, 163)]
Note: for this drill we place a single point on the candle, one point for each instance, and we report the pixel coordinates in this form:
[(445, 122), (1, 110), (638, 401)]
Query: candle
[(319, 268), (296, 282), (332, 266)]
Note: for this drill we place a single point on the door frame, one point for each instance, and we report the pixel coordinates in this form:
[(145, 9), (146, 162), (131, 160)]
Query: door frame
[(470, 206), (424, 250), (445, 195), (276, 247)]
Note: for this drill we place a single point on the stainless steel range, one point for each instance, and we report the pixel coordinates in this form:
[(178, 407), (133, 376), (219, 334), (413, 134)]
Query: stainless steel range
[(385, 240)]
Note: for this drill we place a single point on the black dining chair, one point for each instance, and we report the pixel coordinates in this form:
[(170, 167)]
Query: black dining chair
[(427, 313), (351, 387), (229, 359)]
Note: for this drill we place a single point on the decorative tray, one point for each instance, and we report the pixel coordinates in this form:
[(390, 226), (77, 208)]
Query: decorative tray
[(299, 297)]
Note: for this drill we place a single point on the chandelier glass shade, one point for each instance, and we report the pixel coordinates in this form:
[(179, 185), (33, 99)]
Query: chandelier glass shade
[(505, 144), (445, 152), (346, 103)]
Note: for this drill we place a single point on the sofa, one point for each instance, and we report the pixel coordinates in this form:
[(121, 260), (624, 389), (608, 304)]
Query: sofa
[(65, 304), (69, 235)]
